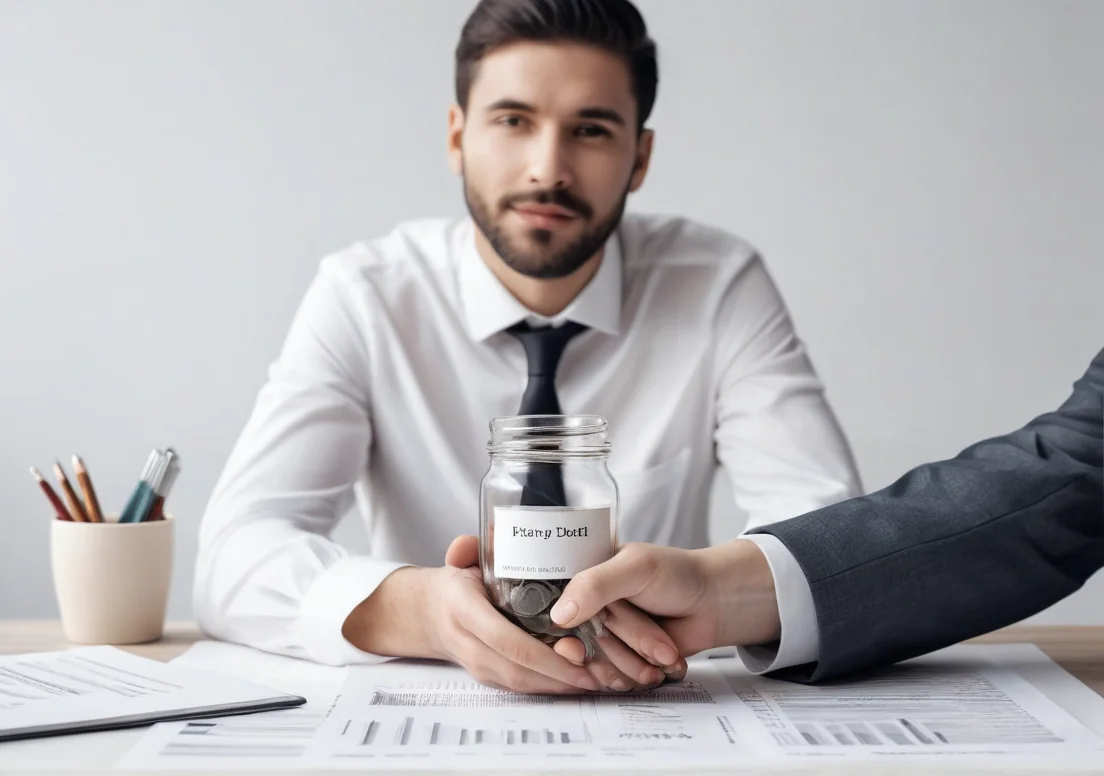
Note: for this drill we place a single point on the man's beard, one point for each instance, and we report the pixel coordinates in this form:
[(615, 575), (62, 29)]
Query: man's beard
[(536, 263)]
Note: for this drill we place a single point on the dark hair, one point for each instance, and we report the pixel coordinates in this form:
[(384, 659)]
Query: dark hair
[(612, 25)]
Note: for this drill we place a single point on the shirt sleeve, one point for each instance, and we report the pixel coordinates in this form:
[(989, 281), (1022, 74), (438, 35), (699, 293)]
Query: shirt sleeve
[(775, 434), (267, 573), (799, 642)]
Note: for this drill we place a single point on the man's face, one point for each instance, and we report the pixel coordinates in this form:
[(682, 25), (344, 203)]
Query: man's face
[(549, 151)]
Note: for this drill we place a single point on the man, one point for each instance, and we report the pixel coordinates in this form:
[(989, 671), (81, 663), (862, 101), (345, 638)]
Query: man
[(405, 347), (952, 550)]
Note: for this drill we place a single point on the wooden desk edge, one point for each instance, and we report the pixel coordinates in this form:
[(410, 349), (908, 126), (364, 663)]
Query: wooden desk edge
[(17, 636)]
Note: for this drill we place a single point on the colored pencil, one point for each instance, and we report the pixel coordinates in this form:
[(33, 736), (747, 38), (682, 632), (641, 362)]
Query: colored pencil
[(76, 509), (91, 503), (62, 512)]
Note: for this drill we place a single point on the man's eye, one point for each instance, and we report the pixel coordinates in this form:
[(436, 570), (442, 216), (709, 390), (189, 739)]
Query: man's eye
[(510, 121), (592, 130)]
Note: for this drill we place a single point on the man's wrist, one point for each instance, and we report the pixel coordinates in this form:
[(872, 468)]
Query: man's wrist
[(743, 593), (392, 621)]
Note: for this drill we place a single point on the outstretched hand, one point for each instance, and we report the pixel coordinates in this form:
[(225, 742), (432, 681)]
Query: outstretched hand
[(719, 596)]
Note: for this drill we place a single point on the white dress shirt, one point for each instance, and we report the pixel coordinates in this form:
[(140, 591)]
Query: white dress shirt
[(397, 360)]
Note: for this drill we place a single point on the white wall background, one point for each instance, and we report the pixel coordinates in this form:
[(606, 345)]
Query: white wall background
[(924, 177)]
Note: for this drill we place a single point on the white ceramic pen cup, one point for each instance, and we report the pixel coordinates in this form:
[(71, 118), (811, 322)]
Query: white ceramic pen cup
[(112, 579)]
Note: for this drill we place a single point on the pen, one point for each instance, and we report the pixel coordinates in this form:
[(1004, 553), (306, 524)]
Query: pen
[(172, 470), (75, 508), (138, 503), (142, 506), (91, 503), (62, 513)]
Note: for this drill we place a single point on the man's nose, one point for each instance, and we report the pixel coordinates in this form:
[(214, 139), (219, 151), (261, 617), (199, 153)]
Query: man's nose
[(549, 166)]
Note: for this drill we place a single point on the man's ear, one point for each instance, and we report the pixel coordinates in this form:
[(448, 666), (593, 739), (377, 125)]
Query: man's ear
[(643, 159), (455, 141)]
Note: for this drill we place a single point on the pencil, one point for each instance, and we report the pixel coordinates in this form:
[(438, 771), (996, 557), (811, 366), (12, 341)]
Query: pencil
[(91, 503), (62, 512), (75, 508)]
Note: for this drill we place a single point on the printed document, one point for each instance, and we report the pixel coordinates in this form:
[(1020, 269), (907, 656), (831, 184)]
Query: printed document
[(92, 688), (969, 703), (972, 707), (265, 741), (398, 717)]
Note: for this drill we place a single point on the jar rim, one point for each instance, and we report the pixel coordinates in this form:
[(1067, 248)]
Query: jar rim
[(547, 437), (547, 425)]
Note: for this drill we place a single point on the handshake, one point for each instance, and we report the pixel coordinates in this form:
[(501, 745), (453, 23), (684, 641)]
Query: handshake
[(658, 605)]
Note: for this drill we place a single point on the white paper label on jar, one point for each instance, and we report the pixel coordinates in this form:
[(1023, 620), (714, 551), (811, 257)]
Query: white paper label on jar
[(549, 542)]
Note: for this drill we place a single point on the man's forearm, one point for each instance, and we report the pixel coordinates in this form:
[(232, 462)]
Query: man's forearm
[(392, 621)]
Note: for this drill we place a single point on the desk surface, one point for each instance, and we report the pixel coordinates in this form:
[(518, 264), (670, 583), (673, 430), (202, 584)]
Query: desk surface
[(1078, 649)]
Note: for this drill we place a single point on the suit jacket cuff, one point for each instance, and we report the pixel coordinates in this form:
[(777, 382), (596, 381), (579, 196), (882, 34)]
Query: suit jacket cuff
[(799, 642)]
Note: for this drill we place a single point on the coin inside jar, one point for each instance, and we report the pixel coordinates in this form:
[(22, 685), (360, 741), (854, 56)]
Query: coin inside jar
[(540, 623), (588, 633), (531, 598)]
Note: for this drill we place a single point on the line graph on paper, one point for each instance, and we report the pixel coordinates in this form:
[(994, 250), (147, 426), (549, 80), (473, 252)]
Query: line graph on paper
[(669, 712)]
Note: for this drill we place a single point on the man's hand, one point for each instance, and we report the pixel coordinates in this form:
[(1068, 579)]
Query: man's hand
[(617, 667), (444, 613), (719, 596)]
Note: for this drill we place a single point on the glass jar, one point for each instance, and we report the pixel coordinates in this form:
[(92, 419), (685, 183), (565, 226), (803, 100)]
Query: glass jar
[(549, 510)]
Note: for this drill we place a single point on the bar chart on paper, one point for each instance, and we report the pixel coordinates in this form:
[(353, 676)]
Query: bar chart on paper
[(910, 708), (453, 695), (633, 716), (280, 735), (406, 713), (408, 731)]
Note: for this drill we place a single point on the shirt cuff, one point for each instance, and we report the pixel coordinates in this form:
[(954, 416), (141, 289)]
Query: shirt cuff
[(328, 603), (800, 641)]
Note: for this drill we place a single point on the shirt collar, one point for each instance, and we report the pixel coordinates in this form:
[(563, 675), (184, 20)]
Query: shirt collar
[(488, 307)]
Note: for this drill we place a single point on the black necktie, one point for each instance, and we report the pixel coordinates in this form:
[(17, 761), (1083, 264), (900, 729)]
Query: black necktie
[(543, 348)]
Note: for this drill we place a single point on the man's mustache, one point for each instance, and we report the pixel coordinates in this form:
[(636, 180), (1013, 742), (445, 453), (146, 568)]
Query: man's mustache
[(561, 197)]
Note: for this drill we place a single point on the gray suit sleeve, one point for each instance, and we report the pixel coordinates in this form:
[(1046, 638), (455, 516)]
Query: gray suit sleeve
[(957, 548)]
